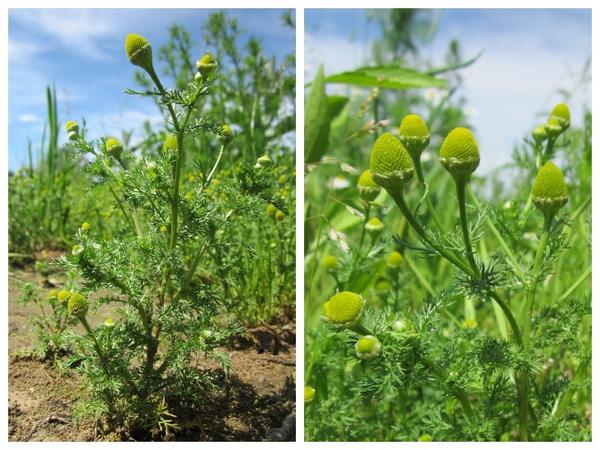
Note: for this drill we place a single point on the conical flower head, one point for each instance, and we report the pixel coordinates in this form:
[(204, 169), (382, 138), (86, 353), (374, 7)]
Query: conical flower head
[(414, 134), (553, 127), (309, 394), (78, 305), (114, 147), (71, 125), (390, 163), (139, 51), (549, 192), (207, 65), (226, 135), (343, 309), (562, 114), (539, 134), (368, 190), (367, 347), (459, 153)]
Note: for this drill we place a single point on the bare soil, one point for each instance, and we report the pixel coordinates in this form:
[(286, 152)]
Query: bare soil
[(252, 405)]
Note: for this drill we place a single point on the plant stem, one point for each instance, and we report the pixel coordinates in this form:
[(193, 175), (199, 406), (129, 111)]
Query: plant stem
[(460, 193), (530, 298), (460, 263), (509, 253), (421, 178), (574, 286), (571, 389)]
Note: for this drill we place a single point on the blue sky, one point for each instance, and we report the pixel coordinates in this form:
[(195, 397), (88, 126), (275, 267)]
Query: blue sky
[(82, 52), (529, 55)]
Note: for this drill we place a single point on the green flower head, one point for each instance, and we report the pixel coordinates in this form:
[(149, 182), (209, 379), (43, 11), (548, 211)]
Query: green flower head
[(207, 65), (226, 135), (279, 215), (553, 127), (394, 260), (368, 190), (367, 347), (414, 134), (170, 145), (52, 295), (343, 309), (113, 147), (309, 394), (78, 305), (271, 209), (549, 192), (330, 263), (63, 297), (72, 126), (459, 153), (374, 226), (539, 134), (139, 51), (562, 114), (390, 163)]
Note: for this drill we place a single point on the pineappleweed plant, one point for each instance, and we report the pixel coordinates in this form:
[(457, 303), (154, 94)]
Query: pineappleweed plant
[(139, 366), (498, 385)]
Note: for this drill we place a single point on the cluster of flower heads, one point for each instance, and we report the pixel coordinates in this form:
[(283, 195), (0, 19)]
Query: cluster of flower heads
[(393, 162)]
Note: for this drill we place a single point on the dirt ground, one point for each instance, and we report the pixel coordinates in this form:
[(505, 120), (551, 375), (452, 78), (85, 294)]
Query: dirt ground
[(252, 406)]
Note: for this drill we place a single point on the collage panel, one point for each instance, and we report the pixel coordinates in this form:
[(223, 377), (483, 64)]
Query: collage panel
[(447, 218), (151, 225)]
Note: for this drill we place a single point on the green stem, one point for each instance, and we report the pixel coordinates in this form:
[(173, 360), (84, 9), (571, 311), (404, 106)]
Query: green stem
[(571, 389), (429, 204), (460, 263), (527, 313), (574, 286), (509, 253), (360, 244), (460, 193)]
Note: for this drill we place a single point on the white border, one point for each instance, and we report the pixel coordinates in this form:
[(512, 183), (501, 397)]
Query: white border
[(299, 5)]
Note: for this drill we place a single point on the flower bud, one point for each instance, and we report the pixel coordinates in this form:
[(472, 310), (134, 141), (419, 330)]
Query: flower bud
[(553, 127), (390, 163), (367, 347), (113, 147), (71, 125), (85, 227), (425, 438), (414, 134), (279, 216), (343, 309), (52, 295), (330, 263), (562, 114), (139, 52), (78, 305), (226, 135), (63, 297), (77, 250), (368, 190), (459, 153), (264, 161), (109, 323), (170, 146), (309, 394), (206, 66), (73, 135), (271, 210), (549, 192), (374, 226), (539, 134), (394, 260)]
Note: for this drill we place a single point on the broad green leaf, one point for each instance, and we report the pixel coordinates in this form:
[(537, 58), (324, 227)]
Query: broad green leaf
[(336, 105), (388, 77), (316, 120)]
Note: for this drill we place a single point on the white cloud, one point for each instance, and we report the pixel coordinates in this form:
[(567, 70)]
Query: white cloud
[(74, 30), (29, 118)]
